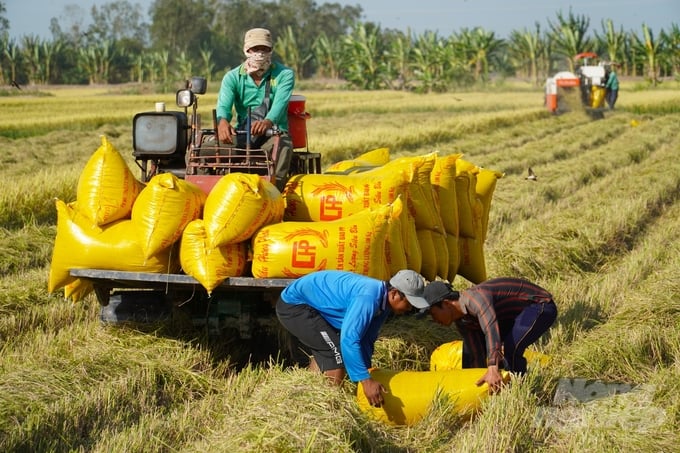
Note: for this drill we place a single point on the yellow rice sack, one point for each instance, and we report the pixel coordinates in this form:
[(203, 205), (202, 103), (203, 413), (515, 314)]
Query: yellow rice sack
[(597, 96), (78, 289), (210, 266), (477, 202), (355, 243), (442, 253), (470, 209), (486, 184), (410, 394), (472, 264), (331, 197), (163, 208), (435, 253), (111, 247), (414, 254), (363, 162), (429, 263), (420, 202), (395, 249), (107, 188), (377, 156), (326, 197), (449, 356), (454, 256), (443, 181), (238, 206)]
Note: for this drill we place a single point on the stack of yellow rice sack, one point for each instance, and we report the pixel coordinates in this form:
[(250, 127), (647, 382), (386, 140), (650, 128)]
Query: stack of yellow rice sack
[(371, 215), (164, 226), (447, 199)]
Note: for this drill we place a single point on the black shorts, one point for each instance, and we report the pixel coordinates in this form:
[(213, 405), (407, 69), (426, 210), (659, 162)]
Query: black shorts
[(321, 339)]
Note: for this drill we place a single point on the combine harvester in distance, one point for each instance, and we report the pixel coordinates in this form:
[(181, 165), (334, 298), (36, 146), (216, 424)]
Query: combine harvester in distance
[(567, 91)]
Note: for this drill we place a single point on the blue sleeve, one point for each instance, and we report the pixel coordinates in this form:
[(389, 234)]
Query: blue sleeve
[(356, 333), (368, 344), (372, 335)]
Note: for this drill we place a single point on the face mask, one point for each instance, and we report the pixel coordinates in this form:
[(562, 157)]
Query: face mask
[(259, 56), (258, 61)]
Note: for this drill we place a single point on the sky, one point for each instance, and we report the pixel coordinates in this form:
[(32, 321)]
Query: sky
[(32, 17)]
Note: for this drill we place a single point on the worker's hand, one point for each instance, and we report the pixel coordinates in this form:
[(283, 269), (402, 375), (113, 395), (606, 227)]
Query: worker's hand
[(493, 378), (374, 391), (225, 131), (260, 127)]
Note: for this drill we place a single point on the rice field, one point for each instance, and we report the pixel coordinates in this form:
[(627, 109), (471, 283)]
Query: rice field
[(599, 228)]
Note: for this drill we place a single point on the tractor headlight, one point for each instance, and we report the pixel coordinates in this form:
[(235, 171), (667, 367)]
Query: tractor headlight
[(185, 98), (199, 85)]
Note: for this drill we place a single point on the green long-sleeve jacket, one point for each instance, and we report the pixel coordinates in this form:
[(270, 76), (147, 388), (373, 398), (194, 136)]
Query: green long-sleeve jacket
[(612, 81), (238, 91)]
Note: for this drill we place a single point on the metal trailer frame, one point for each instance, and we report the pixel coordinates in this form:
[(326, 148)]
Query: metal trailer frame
[(240, 303)]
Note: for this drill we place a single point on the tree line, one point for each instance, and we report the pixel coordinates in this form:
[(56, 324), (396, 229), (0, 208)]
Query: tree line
[(204, 37)]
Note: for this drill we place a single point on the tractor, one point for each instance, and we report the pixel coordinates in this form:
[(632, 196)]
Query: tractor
[(175, 142), (567, 90)]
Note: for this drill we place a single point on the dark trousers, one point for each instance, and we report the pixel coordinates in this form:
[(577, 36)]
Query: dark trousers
[(611, 96), (312, 334), (282, 159), (528, 326)]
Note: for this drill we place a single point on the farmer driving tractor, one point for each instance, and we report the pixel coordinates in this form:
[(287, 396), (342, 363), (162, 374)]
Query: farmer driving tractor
[(259, 91)]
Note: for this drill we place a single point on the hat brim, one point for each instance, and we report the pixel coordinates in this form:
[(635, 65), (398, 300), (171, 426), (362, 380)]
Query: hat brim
[(418, 302), (256, 42)]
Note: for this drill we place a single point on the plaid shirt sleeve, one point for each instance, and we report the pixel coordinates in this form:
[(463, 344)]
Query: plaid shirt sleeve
[(479, 303)]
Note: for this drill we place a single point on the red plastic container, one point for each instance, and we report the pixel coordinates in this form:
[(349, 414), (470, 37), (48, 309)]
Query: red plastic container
[(297, 121)]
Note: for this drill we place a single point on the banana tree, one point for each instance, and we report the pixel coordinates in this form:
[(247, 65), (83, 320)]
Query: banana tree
[(363, 65), (672, 55), (95, 60), (479, 46), (525, 48), (569, 36), (207, 65), (50, 49), (12, 55), (32, 58), (288, 49), (651, 50), (327, 54), (160, 64), (398, 57), (183, 68), (439, 64), (429, 61), (611, 40), (630, 55)]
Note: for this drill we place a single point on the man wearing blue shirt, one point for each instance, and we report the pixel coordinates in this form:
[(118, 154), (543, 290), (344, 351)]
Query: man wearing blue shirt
[(337, 316), (265, 87)]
